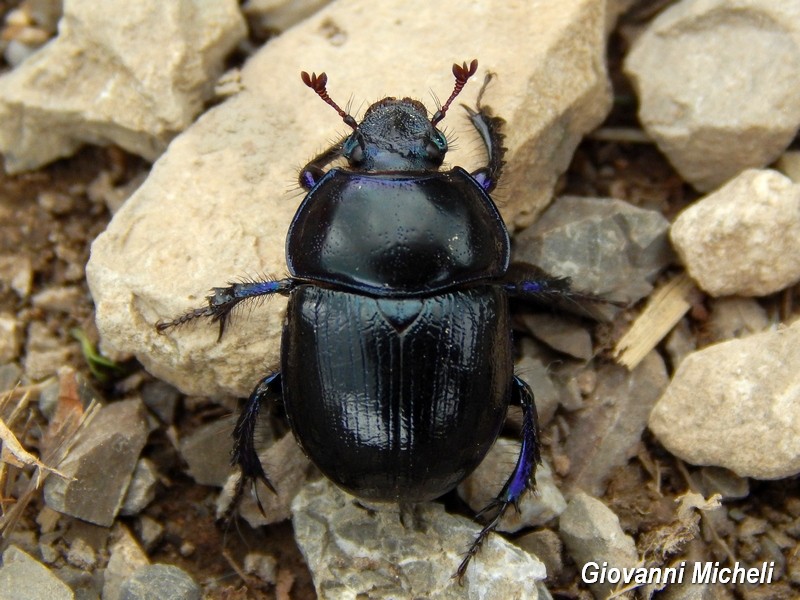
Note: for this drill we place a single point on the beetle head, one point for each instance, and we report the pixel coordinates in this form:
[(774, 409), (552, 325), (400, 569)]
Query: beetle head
[(394, 135)]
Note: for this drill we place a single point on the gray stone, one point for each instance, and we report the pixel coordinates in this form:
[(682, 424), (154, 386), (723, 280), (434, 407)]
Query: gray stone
[(142, 488), (100, 464), (560, 333), (86, 585), (271, 16), (546, 546), (155, 582), (125, 557), (10, 375), (744, 238), (206, 451), (161, 398), (287, 468), (149, 531), (680, 343), (715, 480), (734, 405), (608, 247), (721, 106), (484, 484), (534, 372), (733, 317), (24, 578), (263, 566), (45, 352), (126, 93), (592, 533), (10, 338), (385, 553), (607, 432), (215, 207), (81, 555), (68, 383)]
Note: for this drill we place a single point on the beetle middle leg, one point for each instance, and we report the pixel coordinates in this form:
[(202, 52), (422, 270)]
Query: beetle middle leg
[(533, 285), (224, 299), (521, 479)]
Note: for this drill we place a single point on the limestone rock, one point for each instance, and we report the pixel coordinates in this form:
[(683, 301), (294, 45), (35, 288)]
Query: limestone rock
[(592, 533), (716, 105), (735, 405), (607, 246), (744, 238), (384, 553), (22, 576), (101, 464), (131, 74)]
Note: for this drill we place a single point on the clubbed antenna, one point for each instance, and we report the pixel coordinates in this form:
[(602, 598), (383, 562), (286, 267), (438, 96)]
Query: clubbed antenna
[(317, 83), (462, 73)]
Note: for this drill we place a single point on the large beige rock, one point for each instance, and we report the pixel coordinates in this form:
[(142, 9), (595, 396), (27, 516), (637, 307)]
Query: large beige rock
[(743, 239), (127, 73), (718, 82), (735, 405), (218, 204)]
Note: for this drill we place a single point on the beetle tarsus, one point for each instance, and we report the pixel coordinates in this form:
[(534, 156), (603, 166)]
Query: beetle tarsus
[(521, 478)]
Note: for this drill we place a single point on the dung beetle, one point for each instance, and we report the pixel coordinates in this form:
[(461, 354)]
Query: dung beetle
[(396, 357)]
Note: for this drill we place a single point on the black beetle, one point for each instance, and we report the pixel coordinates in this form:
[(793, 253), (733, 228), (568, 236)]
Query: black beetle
[(396, 368)]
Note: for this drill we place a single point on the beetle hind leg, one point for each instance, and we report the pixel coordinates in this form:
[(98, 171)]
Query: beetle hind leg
[(521, 479), (244, 454)]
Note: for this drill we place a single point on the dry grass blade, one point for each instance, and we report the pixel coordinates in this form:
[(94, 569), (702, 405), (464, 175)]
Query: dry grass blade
[(61, 439), (12, 447)]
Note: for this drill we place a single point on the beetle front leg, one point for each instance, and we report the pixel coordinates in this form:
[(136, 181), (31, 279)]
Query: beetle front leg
[(315, 169), (521, 479), (225, 299), (488, 127)]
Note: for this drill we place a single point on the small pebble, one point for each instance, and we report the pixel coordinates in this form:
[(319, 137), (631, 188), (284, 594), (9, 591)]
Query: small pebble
[(160, 581), (744, 239)]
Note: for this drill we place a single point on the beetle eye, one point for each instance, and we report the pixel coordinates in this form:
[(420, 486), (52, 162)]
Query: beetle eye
[(433, 153), (353, 150), (435, 148), (440, 142)]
